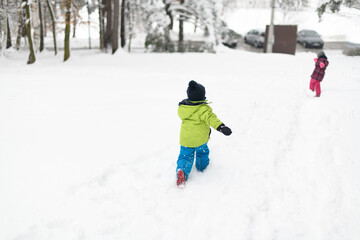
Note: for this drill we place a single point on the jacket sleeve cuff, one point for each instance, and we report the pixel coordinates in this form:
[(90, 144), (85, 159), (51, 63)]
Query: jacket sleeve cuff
[(219, 126)]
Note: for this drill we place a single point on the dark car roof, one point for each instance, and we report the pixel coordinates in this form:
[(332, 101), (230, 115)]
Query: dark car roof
[(256, 29), (308, 31)]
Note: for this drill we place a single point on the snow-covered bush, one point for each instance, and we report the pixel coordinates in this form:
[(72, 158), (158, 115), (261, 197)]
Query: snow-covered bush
[(352, 52)]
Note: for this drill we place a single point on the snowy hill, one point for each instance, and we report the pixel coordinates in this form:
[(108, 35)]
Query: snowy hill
[(88, 148)]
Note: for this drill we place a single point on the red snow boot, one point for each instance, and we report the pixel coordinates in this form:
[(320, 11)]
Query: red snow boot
[(181, 177)]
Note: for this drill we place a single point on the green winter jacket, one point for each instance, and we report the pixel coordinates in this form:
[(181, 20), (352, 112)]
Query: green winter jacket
[(197, 117)]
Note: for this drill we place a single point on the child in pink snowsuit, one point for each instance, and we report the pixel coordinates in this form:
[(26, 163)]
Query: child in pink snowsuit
[(317, 76)]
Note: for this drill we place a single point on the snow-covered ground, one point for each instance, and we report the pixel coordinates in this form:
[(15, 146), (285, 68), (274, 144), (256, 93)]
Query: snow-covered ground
[(88, 148)]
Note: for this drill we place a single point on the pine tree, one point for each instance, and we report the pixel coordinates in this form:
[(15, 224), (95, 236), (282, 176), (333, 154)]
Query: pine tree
[(156, 24), (335, 5)]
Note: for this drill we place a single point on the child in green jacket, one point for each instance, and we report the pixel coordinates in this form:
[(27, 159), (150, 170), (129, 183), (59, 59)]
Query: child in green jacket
[(197, 117)]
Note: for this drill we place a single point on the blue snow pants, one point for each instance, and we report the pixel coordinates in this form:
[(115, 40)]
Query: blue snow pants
[(187, 156)]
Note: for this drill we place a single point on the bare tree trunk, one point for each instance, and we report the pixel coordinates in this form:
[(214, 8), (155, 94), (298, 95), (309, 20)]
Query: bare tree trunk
[(21, 27), (131, 19), (170, 26), (74, 27), (3, 25), (67, 30), (115, 31), (168, 12), (32, 58), (88, 8), (108, 11), (76, 14), (122, 30), (45, 22), (101, 26), (51, 10), (41, 28), (8, 33), (181, 32), (195, 25), (35, 23)]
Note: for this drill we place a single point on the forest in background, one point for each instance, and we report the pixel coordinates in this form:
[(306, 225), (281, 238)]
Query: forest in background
[(25, 23)]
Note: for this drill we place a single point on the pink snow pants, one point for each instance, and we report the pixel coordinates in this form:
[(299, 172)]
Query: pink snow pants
[(315, 85)]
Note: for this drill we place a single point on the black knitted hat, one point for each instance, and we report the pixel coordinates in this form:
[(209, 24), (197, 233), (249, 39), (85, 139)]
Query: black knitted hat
[(321, 54), (195, 91)]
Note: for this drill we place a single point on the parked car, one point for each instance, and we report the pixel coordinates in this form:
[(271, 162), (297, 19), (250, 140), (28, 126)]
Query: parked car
[(255, 37), (309, 39), (230, 38)]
